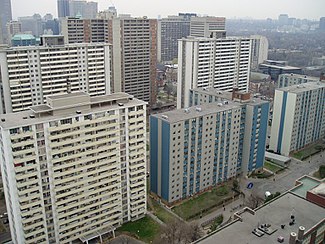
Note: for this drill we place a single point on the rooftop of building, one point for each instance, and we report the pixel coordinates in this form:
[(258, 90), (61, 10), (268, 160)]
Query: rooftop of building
[(23, 37), (277, 157), (213, 92), (275, 213), (228, 38), (286, 67), (303, 87), (257, 76), (67, 105), (298, 76), (227, 95), (319, 190), (305, 184), (208, 18), (196, 111), (51, 36), (8, 49)]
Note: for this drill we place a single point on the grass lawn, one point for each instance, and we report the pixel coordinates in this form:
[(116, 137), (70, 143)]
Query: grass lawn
[(146, 229), (308, 151), (204, 202), (160, 212), (2, 228), (262, 175), (317, 175), (272, 167)]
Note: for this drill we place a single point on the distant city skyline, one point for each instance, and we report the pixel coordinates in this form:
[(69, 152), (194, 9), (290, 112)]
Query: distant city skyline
[(257, 9)]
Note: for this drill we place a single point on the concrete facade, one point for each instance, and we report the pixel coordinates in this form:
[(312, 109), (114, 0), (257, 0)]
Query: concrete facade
[(260, 49), (286, 80), (298, 117), (134, 52), (253, 123), (169, 31), (204, 26), (194, 149), (30, 74), (222, 63), (74, 168)]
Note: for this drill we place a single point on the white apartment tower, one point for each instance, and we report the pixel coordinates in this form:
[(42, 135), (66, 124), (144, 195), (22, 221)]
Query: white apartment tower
[(222, 63), (260, 48), (30, 74), (298, 117), (285, 80), (204, 26), (75, 168)]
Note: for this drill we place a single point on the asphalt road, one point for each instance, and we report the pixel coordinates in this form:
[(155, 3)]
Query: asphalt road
[(285, 180)]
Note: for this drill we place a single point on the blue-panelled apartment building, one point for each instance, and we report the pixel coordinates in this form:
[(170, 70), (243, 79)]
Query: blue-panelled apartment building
[(298, 117), (221, 135)]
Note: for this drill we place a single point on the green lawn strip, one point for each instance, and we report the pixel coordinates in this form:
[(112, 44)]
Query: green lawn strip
[(317, 175), (272, 167), (262, 175), (193, 207), (2, 228), (308, 151), (145, 229), (161, 213)]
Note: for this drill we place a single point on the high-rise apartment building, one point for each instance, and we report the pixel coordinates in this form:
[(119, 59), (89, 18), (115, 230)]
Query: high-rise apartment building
[(322, 24), (63, 8), (169, 31), (13, 28), (75, 168), (253, 123), (134, 52), (5, 17), (30, 74), (283, 19), (205, 26), (76, 30), (134, 56), (193, 149), (286, 80), (222, 63), (298, 117), (260, 48)]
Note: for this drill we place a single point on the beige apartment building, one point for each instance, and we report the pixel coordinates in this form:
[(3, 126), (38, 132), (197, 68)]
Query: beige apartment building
[(29, 74), (74, 168), (134, 52)]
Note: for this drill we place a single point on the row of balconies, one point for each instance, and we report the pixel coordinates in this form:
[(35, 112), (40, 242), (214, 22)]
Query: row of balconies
[(70, 235), (93, 175), (113, 181), (83, 158)]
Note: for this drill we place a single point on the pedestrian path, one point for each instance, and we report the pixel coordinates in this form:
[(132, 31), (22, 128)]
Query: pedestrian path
[(227, 211)]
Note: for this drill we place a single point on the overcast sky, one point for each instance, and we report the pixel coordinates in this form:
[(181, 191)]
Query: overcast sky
[(258, 9)]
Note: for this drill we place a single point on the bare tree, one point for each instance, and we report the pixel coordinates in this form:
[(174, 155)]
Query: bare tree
[(253, 201), (179, 232)]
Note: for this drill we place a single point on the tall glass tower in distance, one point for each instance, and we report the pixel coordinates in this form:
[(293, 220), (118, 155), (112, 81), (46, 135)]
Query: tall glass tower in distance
[(5, 16)]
